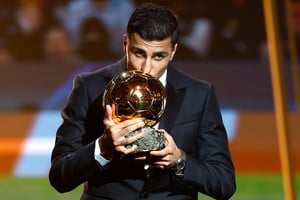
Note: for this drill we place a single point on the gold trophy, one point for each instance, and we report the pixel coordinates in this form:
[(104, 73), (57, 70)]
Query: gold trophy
[(134, 94)]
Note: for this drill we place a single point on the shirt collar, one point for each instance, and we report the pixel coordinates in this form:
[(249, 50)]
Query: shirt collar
[(163, 78)]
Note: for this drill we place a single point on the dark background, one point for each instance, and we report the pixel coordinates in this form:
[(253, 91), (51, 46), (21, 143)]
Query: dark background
[(43, 44)]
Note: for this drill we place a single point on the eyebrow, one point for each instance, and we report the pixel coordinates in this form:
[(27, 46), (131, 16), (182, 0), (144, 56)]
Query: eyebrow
[(162, 53)]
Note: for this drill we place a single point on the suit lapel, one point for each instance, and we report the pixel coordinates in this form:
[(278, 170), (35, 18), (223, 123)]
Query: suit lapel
[(175, 95), (174, 102)]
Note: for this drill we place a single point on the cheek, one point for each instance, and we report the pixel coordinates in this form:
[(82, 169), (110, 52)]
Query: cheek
[(133, 63), (158, 68)]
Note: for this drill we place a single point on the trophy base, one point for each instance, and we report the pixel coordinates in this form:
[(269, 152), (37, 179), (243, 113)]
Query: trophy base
[(153, 139)]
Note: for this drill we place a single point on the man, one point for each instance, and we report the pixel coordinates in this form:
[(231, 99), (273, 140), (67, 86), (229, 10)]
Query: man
[(90, 147)]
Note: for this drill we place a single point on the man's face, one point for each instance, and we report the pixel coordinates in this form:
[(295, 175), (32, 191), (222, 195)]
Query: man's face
[(151, 57)]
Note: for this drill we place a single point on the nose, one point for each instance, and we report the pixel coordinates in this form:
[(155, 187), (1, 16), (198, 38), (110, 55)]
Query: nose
[(146, 66)]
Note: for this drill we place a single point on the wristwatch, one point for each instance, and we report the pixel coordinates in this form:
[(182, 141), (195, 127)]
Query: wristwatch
[(179, 167)]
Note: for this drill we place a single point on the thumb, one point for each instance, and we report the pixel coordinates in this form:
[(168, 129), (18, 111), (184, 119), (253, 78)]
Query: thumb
[(108, 112)]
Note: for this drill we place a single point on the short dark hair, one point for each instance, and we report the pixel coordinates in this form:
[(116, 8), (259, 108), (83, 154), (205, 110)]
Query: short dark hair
[(153, 22)]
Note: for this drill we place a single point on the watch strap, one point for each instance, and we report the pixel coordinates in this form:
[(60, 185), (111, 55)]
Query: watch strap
[(179, 166)]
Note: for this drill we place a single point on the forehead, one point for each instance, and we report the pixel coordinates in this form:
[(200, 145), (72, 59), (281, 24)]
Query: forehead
[(136, 41)]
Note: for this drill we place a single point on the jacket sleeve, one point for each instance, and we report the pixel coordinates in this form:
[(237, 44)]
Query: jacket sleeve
[(211, 170), (71, 161)]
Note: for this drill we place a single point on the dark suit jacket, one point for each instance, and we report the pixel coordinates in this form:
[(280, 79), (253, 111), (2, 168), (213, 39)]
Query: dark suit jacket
[(193, 119)]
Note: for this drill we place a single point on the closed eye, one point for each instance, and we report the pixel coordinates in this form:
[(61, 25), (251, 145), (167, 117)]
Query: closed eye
[(139, 53), (160, 55)]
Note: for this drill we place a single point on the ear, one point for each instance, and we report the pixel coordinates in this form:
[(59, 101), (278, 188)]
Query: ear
[(173, 52), (125, 43)]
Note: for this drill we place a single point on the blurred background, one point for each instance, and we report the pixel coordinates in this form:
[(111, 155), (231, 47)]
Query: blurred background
[(45, 43)]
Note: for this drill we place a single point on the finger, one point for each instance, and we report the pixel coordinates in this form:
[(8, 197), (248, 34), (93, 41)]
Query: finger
[(160, 164), (168, 137), (108, 112), (125, 141), (165, 161), (131, 139), (157, 153), (113, 111), (131, 122), (107, 121), (129, 126), (141, 158), (127, 150)]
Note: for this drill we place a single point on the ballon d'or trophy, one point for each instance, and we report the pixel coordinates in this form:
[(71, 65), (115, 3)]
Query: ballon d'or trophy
[(134, 94)]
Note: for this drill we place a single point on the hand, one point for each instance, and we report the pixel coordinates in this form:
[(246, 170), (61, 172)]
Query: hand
[(114, 140), (165, 158)]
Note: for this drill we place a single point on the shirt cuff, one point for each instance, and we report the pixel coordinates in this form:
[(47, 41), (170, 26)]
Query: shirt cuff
[(97, 155)]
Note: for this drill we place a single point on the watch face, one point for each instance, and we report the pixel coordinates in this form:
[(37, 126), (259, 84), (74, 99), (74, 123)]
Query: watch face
[(180, 165)]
